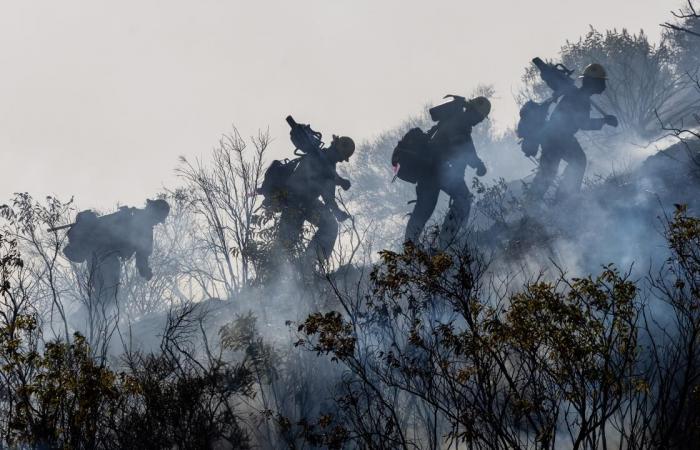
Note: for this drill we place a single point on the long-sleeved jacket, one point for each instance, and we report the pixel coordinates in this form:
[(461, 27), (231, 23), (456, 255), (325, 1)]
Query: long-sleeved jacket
[(451, 139), (314, 177), (573, 113)]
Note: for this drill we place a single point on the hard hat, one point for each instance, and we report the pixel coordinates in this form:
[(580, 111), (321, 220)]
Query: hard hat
[(159, 208), (345, 146), (481, 105), (594, 70)]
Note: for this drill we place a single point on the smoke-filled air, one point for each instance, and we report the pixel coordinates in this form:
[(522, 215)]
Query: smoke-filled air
[(453, 282)]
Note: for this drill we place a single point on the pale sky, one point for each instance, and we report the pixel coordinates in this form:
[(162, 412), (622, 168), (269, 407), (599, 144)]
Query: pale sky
[(98, 99)]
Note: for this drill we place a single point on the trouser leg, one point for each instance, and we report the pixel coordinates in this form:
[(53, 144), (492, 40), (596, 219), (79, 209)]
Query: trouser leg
[(427, 192), (460, 205), (547, 170), (452, 182), (321, 245), (290, 227), (104, 270), (575, 169)]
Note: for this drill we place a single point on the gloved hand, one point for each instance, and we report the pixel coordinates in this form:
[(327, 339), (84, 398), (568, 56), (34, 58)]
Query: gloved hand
[(481, 169), (611, 120), (345, 184), (342, 216)]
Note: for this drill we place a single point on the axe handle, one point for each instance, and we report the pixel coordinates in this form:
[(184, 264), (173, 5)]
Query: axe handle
[(62, 227), (598, 108)]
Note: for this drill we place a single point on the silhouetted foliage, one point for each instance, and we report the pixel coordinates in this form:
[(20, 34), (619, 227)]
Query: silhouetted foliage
[(423, 349), (433, 358), (56, 394), (684, 34)]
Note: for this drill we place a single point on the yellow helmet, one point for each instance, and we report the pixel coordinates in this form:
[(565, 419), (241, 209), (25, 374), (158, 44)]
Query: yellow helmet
[(595, 70), (481, 105), (345, 146)]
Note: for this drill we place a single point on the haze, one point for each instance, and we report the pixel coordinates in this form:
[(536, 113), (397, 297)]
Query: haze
[(98, 99)]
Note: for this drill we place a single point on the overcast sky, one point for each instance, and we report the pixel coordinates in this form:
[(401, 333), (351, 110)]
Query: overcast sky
[(98, 99)]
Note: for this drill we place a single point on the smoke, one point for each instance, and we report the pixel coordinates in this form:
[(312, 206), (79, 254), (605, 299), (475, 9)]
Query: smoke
[(206, 254)]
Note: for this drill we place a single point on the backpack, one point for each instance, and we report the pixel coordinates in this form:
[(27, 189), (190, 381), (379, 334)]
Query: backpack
[(411, 158), (274, 185), (533, 115), (81, 236), (533, 118)]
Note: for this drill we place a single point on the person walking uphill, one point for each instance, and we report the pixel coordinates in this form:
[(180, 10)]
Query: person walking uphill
[(437, 161), (572, 113), (303, 190), (102, 241)]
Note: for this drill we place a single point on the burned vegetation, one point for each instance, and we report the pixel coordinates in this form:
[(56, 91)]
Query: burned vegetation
[(239, 311)]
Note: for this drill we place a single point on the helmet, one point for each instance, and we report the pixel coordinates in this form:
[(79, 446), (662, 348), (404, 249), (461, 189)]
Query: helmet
[(345, 146), (595, 70), (481, 105), (158, 208)]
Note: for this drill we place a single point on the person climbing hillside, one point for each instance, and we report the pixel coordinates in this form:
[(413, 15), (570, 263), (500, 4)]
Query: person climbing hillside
[(558, 138), (437, 161), (102, 241), (303, 190)]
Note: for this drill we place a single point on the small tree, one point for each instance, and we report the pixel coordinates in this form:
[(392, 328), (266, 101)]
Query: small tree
[(684, 36), (27, 221), (223, 196)]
